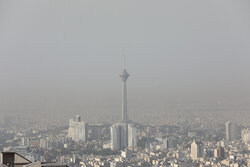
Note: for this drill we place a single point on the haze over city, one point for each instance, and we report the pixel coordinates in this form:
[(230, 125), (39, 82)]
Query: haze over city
[(133, 83), (185, 58)]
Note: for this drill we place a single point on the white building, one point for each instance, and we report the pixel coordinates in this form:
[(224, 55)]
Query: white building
[(25, 141), (123, 135), (119, 136), (230, 130), (245, 135), (228, 126), (78, 130), (165, 144), (132, 135), (115, 137), (196, 150)]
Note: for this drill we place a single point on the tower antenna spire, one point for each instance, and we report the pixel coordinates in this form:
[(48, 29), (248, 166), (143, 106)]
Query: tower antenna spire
[(123, 54)]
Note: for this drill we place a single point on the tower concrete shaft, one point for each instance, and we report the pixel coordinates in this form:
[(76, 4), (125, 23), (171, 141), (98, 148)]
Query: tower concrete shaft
[(124, 76)]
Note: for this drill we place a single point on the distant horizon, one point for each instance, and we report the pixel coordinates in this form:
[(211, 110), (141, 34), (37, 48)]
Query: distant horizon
[(59, 58)]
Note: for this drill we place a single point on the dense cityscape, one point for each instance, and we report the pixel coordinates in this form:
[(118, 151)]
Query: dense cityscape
[(128, 83), (196, 142)]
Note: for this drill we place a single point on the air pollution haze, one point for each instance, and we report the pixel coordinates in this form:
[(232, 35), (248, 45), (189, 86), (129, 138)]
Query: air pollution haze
[(185, 59)]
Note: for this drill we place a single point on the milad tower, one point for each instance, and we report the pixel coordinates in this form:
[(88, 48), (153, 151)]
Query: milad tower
[(123, 133)]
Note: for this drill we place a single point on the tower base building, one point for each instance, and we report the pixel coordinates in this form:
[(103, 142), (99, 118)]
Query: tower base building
[(123, 135)]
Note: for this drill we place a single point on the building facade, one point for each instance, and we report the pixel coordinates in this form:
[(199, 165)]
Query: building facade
[(123, 135), (132, 136), (196, 150), (119, 133), (245, 135), (78, 130), (230, 130)]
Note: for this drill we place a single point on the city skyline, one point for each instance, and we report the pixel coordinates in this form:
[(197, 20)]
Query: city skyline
[(65, 97)]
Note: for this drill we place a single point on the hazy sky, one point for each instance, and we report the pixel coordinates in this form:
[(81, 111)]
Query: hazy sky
[(65, 56)]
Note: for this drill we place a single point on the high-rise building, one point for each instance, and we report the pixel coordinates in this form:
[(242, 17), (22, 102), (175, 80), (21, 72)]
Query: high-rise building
[(25, 141), (228, 125), (165, 144), (124, 133), (219, 153), (245, 135), (230, 130), (132, 135), (78, 130), (95, 132), (115, 137), (169, 142), (119, 136), (196, 150)]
